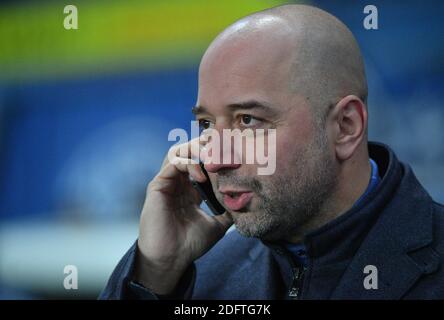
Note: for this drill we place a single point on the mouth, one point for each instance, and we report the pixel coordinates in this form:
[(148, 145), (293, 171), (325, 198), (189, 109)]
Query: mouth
[(236, 200)]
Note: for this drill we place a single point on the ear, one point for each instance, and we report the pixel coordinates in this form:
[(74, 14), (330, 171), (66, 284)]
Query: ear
[(349, 118)]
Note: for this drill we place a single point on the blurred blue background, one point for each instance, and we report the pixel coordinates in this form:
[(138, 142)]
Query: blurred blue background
[(85, 115)]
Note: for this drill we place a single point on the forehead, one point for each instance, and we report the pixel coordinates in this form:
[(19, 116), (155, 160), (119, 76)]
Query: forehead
[(246, 67)]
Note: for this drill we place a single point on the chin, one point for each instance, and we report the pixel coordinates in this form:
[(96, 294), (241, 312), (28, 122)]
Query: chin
[(249, 225)]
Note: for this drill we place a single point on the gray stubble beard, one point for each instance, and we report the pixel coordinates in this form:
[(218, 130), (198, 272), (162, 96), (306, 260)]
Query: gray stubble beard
[(287, 204)]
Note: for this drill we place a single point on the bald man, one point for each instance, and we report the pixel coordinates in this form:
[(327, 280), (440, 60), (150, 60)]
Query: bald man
[(340, 218)]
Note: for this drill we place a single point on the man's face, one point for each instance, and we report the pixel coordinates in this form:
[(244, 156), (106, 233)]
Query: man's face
[(245, 84)]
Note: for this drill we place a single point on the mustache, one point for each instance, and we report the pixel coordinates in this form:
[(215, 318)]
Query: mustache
[(231, 178)]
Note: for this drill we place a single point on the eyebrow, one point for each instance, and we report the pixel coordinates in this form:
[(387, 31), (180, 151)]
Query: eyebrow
[(198, 110), (247, 105)]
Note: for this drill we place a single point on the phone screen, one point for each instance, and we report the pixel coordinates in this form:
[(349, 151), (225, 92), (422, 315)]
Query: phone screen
[(206, 192)]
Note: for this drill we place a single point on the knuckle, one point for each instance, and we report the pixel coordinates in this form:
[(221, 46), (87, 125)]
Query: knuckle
[(150, 186)]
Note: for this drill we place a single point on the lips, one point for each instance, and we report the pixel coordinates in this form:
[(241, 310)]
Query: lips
[(236, 200)]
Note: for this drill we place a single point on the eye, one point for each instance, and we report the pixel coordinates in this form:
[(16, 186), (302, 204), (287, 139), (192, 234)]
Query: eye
[(205, 124), (248, 120)]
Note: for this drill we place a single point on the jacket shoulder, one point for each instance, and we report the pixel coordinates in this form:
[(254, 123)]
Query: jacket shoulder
[(438, 223), (439, 207), (431, 285)]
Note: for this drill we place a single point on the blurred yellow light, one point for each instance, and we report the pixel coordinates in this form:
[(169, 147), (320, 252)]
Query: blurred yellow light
[(112, 35)]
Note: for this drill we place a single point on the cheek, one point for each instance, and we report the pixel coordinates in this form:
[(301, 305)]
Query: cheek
[(213, 180), (284, 151), (291, 143)]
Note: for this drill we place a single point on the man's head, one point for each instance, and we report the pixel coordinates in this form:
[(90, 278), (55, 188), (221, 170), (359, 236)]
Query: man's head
[(298, 70)]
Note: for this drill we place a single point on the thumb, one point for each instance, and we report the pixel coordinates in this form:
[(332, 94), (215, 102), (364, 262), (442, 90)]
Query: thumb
[(225, 220)]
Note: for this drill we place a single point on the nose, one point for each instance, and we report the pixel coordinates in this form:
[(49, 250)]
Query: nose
[(221, 156), (214, 168)]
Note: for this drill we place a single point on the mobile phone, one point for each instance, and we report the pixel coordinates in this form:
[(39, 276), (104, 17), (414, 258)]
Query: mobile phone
[(207, 194)]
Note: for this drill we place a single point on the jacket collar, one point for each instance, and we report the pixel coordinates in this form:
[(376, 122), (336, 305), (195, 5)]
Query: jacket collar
[(398, 242), (390, 229)]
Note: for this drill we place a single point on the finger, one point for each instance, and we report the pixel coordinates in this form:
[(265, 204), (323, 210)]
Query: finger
[(180, 166), (188, 193), (190, 150), (195, 196), (224, 220)]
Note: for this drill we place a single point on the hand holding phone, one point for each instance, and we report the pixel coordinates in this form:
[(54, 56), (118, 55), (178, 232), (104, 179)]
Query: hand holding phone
[(174, 231), (206, 191)]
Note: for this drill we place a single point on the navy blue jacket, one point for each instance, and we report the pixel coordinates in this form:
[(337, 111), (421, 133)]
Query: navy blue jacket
[(398, 229)]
